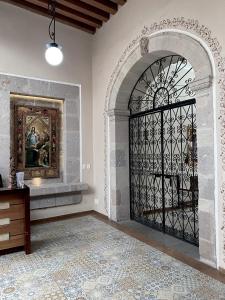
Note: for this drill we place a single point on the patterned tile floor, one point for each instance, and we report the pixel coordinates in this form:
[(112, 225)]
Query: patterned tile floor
[(164, 239), (84, 258)]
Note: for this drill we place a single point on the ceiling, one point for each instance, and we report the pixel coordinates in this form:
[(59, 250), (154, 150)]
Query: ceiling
[(86, 15)]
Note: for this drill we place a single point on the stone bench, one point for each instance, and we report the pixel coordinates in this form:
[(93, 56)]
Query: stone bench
[(59, 194)]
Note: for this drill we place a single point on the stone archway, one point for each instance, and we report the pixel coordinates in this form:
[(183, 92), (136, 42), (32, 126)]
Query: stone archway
[(147, 51)]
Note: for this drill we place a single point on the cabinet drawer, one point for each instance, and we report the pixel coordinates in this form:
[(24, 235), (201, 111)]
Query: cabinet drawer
[(12, 199), (13, 228), (14, 212), (14, 241)]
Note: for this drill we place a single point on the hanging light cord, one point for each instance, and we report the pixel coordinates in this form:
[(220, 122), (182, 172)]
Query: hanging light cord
[(52, 11)]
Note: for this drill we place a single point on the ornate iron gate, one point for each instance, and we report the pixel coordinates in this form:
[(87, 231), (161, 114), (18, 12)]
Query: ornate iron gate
[(163, 150)]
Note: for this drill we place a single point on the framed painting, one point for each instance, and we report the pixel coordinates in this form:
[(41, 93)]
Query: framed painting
[(37, 141)]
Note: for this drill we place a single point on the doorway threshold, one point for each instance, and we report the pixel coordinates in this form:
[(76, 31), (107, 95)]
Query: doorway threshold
[(164, 239)]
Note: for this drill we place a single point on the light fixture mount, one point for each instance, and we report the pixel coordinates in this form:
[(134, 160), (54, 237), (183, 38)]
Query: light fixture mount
[(53, 53)]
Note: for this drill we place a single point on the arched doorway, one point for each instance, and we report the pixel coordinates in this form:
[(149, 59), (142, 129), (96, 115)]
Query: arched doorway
[(163, 149), (160, 45)]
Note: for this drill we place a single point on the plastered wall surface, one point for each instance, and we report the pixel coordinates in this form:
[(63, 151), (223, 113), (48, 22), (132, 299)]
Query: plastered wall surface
[(23, 36), (111, 48), (111, 41), (90, 62)]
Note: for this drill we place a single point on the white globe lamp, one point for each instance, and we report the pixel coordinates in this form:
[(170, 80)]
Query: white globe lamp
[(53, 54)]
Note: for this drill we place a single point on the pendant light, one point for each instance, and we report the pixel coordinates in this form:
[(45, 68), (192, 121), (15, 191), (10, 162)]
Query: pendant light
[(53, 53)]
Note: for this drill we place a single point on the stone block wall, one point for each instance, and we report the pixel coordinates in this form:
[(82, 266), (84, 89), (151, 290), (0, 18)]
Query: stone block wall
[(55, 200), (70, 137), (121, 84)]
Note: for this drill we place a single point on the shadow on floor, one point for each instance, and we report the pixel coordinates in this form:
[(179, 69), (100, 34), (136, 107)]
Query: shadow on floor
[(164, 239)]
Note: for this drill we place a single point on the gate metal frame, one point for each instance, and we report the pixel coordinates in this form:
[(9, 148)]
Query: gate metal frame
[(192, 193)]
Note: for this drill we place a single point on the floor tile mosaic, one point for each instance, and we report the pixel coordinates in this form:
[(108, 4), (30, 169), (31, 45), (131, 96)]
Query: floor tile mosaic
[(84, 258), (164, 239)]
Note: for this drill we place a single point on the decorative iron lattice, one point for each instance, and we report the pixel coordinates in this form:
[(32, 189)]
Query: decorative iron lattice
[(163, 161), (164, 82)]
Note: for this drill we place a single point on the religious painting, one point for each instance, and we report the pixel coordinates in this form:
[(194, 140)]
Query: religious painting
[(191, 158), (36, 141)]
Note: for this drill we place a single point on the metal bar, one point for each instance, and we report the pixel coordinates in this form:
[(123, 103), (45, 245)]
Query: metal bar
[(156, 206), (176, 70), (130, 164), (168, 70), (178, 189), (180, 79), (163, 177), (153, 168), (193, 172), (171, 162), (149, 86), (146, 178), (139, 179), (166, 107), (143, 93), (182, 177)]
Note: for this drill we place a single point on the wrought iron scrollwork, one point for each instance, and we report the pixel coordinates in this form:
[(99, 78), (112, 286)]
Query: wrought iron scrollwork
[(164, 82), (163, 149), (52, 12)]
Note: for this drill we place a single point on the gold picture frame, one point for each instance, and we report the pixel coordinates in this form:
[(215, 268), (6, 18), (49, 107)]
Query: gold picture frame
[(36, 141)]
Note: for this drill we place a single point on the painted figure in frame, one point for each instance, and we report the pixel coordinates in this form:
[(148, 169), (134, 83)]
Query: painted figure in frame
[(37, 148), (37, 141)]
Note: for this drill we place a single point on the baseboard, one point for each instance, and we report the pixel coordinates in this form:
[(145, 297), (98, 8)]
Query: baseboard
[(208, 262), (62, 217), (222, 270), (99, 215)]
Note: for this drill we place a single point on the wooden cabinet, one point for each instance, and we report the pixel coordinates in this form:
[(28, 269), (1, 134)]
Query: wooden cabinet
[(15, 219)]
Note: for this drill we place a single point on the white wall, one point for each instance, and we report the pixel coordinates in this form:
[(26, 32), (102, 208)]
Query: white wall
[(113, 38), (23, 36), (110, 43)]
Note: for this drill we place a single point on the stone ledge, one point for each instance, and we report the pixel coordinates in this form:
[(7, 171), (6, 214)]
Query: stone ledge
[(57, 188), (51, 201)]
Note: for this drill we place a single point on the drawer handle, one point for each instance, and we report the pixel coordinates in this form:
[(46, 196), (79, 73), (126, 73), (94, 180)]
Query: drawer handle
[(4, 237), (4, 205), (5, 221)]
